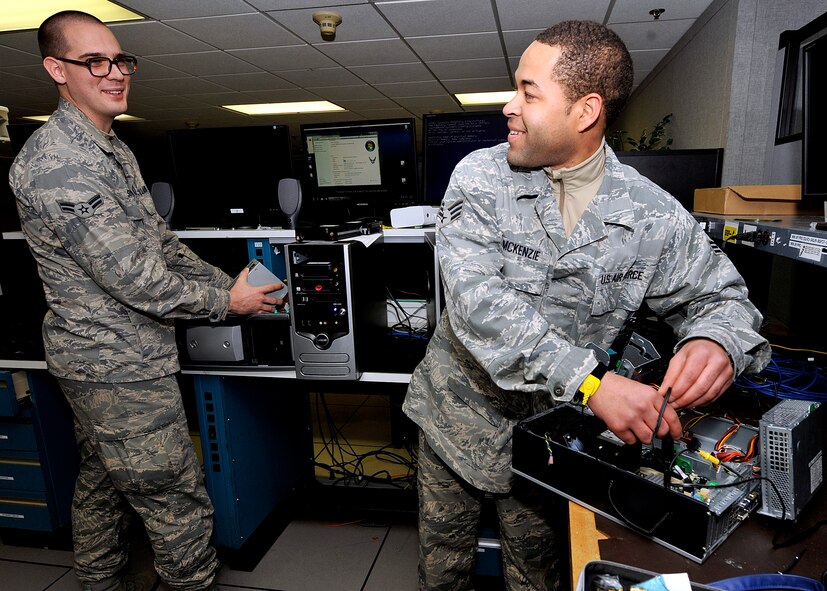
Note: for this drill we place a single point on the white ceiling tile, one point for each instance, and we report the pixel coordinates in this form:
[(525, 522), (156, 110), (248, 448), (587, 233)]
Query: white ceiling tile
[(12, 82), (367, 104), (266, 5), (154, 38), (359, 22), (184, 86), (216, 99), (532, 14), (516, 42), (164, 9), (237, 31), (284, 95), (246, 82), (148, 69), (359, 91), (14, 57), (439, 17), (275, 59), (415, 72), (138, 91), (422, 105), (22, 40), (368, 53), (209, 63), (320, 77), (167, 101), (34, 71), (448, 47), (391, 113), (478, 85), (481, 68), (652, 35), (629, 11), (409, 89)]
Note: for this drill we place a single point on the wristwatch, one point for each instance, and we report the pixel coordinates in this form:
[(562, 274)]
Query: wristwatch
[(592, 383)]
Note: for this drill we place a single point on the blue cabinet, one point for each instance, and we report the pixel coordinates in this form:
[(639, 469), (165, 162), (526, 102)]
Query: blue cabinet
[(257, 446), (38, 454)]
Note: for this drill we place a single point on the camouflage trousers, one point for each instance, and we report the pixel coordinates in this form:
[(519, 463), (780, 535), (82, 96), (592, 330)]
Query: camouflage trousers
[(136, 458), (532, 527)]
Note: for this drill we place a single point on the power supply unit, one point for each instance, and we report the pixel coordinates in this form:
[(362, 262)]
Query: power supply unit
[(791, 436)]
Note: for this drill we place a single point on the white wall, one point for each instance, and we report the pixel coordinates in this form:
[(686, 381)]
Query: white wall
[(718, 82)]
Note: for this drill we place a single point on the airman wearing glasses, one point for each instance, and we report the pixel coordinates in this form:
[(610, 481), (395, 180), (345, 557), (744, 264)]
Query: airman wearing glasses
[(114, 279)]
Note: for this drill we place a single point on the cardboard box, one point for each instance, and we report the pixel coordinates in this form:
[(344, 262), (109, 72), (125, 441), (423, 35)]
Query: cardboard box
[(752, 200)]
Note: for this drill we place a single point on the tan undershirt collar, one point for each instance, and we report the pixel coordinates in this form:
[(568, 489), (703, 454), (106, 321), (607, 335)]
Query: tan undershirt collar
[(577, 186)]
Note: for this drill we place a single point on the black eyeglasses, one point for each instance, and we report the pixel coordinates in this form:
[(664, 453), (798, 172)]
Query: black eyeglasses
[(101, 66)]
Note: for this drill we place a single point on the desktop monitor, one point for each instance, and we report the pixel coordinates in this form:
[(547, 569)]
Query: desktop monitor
[(448, 137), (679, 172), (360, 168), (814, 122), (228, 177)]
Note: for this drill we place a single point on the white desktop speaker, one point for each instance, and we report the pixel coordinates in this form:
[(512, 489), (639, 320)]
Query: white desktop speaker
[(416, 215), (290, 200)]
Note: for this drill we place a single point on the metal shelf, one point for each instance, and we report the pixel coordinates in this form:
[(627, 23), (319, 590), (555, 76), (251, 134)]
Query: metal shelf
[(794, 237)]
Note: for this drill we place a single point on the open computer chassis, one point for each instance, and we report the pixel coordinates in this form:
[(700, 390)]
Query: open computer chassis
[(569, 451)]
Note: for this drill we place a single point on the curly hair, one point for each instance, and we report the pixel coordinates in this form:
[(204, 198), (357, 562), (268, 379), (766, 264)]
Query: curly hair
[(50, 36), (593, 59)]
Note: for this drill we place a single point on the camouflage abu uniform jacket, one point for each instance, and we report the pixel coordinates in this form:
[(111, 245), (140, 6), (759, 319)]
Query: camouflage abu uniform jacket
[(113, 275), (523, 300)]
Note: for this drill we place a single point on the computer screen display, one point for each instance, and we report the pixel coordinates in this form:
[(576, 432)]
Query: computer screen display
[(448, 137), (366, 167), (228, 177)]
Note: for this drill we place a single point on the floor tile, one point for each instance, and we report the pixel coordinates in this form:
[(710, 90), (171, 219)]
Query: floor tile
[(395, 567), (25, 576), (314, 556), (37, 555)]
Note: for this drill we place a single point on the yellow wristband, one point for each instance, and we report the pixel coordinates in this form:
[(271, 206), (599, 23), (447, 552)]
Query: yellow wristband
[(589, 387)]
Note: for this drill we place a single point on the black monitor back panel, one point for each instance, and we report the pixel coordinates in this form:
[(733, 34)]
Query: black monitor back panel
[(679, 172), (229, 177)]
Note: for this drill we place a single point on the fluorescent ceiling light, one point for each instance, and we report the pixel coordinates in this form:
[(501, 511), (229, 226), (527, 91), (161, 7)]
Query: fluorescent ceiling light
[(485, 98), (29, 14), (123, 117), (285, 108)]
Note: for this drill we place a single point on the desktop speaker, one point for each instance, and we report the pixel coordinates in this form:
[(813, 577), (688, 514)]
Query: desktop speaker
[(164, 198), (290, 200), (4, 121)]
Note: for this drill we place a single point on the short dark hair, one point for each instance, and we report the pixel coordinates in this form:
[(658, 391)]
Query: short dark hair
[(50, 35), (593, 59)]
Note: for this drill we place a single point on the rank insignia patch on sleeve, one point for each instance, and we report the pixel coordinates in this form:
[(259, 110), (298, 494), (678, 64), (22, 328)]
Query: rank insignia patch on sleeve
[(449, 213), (82, 210)]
